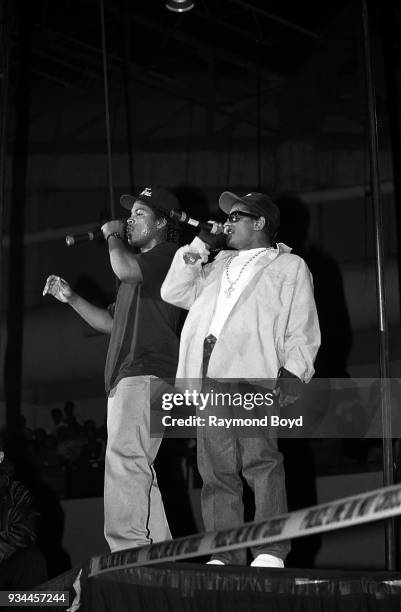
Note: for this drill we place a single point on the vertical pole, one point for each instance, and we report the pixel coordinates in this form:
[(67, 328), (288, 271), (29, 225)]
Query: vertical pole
[(4, 83), (125, 25), (389, 40), (5, 38), (18, 197), (384, 361), (259, 123), (107, 113)]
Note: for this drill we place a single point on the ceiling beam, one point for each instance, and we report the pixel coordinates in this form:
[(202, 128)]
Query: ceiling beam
[(283, 22), (218, 53), (93, 67)]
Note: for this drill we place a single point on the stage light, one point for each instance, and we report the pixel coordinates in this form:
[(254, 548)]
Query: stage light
[(180, 6)]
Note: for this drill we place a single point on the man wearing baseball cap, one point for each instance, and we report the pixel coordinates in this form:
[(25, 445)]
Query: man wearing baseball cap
[(252, 316), (143, 345)]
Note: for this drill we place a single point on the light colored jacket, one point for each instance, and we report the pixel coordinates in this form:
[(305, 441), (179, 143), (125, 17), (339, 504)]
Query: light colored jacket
[(274, 322)]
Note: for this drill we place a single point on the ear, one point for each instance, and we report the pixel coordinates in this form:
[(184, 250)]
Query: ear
[(259, 224), (162, 222)]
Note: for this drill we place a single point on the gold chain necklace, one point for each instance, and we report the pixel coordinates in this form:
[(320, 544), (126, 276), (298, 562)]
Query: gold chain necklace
[(232, 283)]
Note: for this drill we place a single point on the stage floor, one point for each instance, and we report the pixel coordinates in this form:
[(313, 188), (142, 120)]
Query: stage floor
[(174, 587)]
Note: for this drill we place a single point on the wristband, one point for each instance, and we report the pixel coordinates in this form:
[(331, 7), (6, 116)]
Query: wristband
[(115, 234)]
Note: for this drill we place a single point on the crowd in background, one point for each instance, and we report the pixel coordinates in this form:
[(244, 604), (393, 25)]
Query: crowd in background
[(70, 455), (67, 461)]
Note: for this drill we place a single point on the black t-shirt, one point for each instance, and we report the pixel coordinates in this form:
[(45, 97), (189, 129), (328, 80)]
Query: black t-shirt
[(144, 336)]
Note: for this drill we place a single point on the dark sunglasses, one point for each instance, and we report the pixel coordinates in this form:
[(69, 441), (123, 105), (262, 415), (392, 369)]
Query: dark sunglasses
[(236, 215)]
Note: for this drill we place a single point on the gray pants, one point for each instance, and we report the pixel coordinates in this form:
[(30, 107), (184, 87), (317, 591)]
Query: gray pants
[(223, 455), (133, 508)]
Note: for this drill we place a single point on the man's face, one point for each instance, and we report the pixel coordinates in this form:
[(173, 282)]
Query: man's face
[(142, 225), (241, 233)]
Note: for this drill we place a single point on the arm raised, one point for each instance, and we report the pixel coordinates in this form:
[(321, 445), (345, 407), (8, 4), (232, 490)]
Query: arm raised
[(123, 262), (185, 276)]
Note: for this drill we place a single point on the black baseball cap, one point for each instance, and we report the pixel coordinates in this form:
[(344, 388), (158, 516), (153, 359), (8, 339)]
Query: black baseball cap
[(257, 203), (156, 197)]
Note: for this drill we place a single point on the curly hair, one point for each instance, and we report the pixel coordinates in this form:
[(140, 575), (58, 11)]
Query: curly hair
[(172, 228)]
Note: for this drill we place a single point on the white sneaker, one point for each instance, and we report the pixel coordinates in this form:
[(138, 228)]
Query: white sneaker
[(215, 562), (265, 560)]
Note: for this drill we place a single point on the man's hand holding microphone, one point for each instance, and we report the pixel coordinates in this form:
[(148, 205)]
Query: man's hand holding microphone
[(114, 228), (58, 287)]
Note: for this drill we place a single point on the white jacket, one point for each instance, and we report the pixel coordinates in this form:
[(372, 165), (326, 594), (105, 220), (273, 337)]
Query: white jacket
[(274, 322)]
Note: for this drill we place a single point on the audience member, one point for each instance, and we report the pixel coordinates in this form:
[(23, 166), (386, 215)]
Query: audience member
[(23, 430), (22, 565), (58, 423), (71, 420)]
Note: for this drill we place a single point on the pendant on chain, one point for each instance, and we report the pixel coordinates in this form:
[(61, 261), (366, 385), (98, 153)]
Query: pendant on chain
[(229, 290)]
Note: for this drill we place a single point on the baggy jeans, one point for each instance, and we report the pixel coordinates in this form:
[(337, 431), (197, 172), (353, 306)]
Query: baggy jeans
[(133, 508), (223, 456)]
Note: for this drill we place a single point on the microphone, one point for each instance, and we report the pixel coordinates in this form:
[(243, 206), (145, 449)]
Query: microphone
[(72, 240), (183, 217)]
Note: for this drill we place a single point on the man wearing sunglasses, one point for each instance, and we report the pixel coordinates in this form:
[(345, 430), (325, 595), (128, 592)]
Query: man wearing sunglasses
[(252, 315)]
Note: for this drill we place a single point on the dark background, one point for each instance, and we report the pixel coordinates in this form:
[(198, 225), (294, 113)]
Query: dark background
[(257, 95)]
